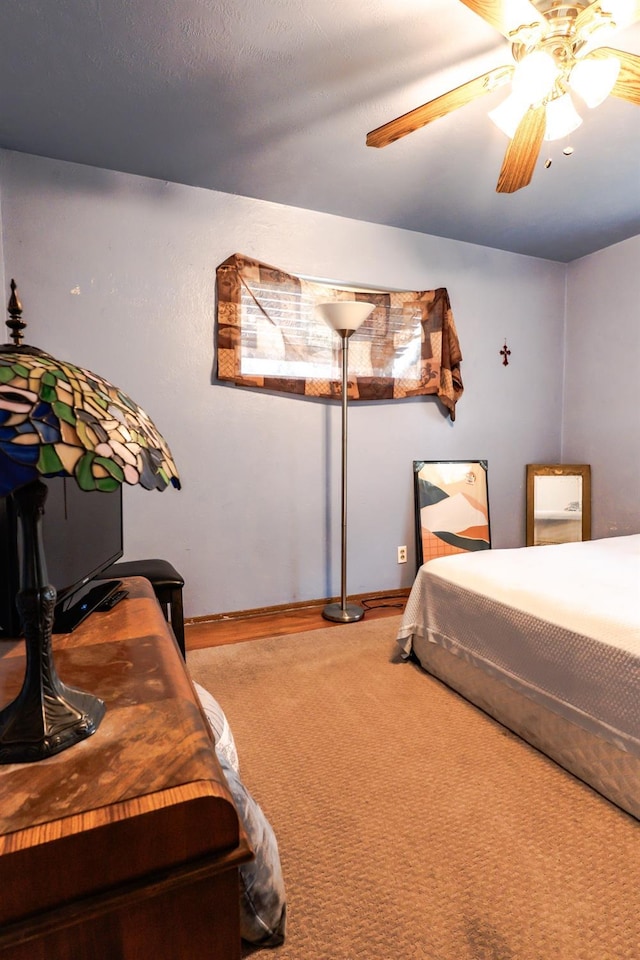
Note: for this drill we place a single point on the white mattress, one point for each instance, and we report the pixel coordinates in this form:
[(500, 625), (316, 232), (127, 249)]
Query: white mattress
[(559, 624)]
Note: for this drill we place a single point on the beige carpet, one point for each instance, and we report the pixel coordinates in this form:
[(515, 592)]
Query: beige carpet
[(410, 825)]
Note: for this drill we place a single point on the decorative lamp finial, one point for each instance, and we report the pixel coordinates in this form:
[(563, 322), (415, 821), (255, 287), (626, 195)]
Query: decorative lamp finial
[(15, 323)]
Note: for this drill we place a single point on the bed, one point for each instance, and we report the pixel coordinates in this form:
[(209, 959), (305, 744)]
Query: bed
[(546, 640)]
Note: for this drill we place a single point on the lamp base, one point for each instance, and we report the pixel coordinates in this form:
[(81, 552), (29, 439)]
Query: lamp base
[(47, 716), (40, 724), (350, 613)]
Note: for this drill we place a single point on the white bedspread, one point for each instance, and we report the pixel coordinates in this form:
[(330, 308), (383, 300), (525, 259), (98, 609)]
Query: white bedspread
[(560, 623)]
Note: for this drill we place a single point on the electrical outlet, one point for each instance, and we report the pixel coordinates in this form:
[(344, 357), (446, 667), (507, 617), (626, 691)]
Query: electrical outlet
[(402, 554)]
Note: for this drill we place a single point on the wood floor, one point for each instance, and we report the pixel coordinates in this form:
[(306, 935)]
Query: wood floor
[(252, 625)]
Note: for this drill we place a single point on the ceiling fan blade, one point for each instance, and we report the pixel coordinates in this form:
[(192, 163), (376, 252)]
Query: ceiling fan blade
[(523, 151), (588, 18), (440, 107), (507, 16), (627, 86)]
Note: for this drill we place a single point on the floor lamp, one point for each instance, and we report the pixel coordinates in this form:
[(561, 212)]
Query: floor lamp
[(345, 317)]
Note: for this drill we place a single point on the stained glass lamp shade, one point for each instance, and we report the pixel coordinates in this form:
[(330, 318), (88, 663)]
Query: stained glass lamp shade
[(56, 420)]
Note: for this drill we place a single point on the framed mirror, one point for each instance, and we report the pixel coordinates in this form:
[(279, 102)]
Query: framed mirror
[(558, 503)]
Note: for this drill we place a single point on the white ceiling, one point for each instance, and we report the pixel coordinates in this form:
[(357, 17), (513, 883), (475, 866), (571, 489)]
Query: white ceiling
[(273, 99)]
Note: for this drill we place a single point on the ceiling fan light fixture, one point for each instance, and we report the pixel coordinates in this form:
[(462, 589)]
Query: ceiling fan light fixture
[(593, 80), (548, 39), (508, 114), (562, 118), (535, 77)]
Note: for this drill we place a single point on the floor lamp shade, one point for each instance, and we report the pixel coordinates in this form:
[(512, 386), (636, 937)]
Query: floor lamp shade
[(345, 317)]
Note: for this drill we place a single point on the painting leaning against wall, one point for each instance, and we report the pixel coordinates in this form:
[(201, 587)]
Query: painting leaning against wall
[(451, 507)]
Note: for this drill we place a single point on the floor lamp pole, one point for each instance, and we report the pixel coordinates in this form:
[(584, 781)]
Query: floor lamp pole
[(344, 612), (345, 317)]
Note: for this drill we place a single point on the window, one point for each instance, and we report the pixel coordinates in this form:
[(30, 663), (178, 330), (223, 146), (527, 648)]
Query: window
[(268, 335)]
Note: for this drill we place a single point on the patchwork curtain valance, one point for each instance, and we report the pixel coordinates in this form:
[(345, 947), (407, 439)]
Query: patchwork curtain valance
[(269, 336)]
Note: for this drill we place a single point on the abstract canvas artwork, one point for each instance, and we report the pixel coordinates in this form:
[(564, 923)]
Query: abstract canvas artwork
[(452, 507)]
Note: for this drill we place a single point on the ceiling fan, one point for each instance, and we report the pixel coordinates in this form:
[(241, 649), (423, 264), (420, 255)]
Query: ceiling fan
[(558, 48)]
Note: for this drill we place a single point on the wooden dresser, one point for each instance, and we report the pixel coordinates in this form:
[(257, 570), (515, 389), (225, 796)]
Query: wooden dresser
[(127, 845)]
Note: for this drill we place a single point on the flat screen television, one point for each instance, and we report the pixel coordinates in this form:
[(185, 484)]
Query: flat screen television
[(82, 536)]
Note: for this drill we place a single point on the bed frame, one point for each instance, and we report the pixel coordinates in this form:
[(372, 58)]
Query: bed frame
[(612, 771)]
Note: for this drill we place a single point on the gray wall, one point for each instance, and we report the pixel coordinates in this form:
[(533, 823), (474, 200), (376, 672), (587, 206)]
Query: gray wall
[(601, 423), (117, 273)]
